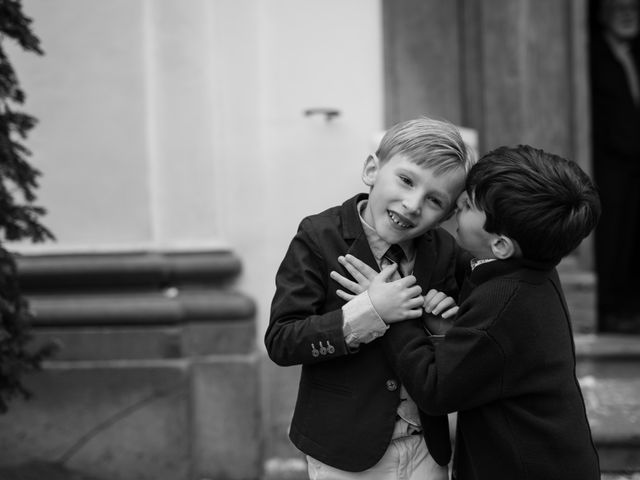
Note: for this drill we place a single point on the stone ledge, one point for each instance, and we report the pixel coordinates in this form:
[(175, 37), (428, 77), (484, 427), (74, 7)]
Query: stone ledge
[(80, 272), (139, 307), (100, 342), (608, 346)]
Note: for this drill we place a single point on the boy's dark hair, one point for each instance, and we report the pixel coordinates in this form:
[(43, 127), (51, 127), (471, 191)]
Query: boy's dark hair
[(542, 201)]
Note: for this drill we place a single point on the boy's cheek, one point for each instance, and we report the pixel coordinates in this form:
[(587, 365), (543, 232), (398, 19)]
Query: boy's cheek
[(425, 228)]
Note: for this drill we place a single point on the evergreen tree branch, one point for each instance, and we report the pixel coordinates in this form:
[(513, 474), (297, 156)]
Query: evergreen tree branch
[(19, 217)]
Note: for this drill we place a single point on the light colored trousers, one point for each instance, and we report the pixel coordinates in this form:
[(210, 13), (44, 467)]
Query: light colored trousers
[(407, 458)]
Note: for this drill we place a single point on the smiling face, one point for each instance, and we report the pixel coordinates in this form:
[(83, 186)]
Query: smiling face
[(406, 199)]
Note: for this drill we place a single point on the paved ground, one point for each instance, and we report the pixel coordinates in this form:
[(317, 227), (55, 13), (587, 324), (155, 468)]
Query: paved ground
[(40, 471), (49, 471)]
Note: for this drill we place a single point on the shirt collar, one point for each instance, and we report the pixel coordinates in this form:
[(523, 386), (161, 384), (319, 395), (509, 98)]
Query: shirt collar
[(378, 246), (534, 271), (479, 261)]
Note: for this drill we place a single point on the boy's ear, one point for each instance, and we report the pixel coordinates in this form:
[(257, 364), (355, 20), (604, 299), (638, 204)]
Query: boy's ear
[(504, 247), (370, 170)]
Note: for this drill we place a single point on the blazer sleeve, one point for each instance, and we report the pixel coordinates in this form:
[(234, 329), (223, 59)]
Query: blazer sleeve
[(303, 329), (459, 372)]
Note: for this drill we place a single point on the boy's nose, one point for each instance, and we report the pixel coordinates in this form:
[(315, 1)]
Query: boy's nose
[(412, 204)]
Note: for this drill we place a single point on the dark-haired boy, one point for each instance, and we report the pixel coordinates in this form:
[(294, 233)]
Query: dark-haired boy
[(507, 365)]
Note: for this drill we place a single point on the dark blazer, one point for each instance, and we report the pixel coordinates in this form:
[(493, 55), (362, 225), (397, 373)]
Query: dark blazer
[(347, 400), (507, 366)]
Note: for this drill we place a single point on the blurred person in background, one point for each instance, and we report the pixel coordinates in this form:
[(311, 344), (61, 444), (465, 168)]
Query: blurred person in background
[(615, 96)]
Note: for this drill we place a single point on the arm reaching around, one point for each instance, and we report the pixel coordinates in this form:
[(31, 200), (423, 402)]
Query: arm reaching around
[(458, 372)]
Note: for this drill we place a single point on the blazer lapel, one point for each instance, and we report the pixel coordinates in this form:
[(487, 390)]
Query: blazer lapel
[(352, 231), (425, 260), (361, 250), (423, 270)]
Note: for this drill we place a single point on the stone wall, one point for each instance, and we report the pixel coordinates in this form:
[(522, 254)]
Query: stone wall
[(156, 376)]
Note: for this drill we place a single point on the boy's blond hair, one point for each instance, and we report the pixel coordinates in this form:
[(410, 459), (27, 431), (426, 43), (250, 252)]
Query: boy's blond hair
[(427, 142)]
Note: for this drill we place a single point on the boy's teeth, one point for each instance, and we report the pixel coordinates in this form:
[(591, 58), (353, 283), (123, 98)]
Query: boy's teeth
[(397, 221)]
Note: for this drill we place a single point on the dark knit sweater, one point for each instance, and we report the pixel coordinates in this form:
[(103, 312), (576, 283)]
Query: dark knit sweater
[(507, 366)]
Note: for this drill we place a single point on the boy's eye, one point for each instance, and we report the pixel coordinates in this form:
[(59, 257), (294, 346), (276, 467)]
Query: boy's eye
[(436, 201), (405, 180)]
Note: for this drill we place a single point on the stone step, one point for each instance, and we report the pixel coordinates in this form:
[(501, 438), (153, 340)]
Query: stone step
[(608, 368), (40, 470), (621, 476), (295, 469)]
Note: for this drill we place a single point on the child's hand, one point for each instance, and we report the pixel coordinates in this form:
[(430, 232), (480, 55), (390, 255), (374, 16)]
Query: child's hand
[(439, 303), (398, 300), (440, 307), (394, 301), (360, 271)]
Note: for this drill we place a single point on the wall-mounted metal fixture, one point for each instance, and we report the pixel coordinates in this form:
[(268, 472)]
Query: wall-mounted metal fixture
[(329, 113)]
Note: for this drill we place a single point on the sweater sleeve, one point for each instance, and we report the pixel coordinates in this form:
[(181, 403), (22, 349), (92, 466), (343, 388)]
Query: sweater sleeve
[(458, 372)]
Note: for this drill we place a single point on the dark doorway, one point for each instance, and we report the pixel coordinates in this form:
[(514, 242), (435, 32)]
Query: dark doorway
[(614, 48)]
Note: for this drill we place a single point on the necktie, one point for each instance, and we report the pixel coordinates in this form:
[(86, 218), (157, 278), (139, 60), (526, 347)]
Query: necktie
[(395, 254)]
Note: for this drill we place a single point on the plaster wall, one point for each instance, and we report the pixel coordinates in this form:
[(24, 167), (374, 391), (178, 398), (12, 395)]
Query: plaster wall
[(180, 125)]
